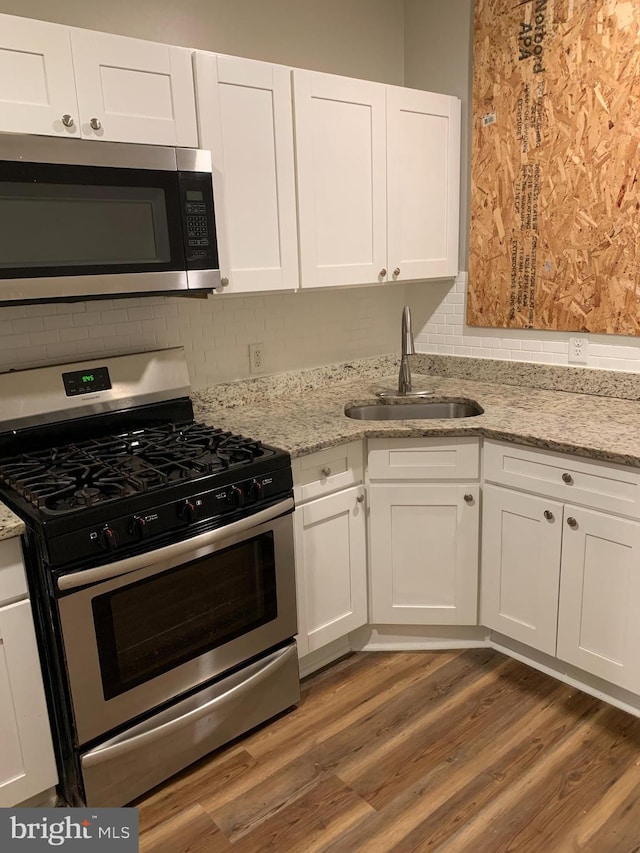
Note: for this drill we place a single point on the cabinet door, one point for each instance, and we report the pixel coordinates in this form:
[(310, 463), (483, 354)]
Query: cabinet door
[(424, 554), (599, 614), (423, 183), (331, 567), (341, 149), (137, 91), (521, 566), (27, 767), (246, 120), (36, 77)]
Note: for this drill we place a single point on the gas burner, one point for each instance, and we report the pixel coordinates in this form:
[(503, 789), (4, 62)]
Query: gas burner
[(87, 496)]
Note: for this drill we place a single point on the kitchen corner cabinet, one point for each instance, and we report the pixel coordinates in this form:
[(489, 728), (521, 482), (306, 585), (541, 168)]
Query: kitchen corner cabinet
[(61, 81), (423, 533), (560, 577), (244, 109), (330, 538), (378, 181), (27, 765)]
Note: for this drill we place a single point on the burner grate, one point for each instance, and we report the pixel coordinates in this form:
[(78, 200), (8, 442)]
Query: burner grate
[(80, 475)]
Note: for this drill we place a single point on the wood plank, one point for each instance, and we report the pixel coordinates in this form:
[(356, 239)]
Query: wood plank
[(398, 752), (555, 197)]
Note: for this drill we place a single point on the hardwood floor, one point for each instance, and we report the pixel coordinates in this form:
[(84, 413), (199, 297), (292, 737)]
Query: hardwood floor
[(440, 751)]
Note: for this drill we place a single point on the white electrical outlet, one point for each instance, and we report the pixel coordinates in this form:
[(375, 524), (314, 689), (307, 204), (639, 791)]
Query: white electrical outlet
[(578, 348), (256, 358)]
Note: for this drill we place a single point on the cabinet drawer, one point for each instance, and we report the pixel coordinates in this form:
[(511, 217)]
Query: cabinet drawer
[(602, 485), (13, 583), (424, 459), (327, 471)]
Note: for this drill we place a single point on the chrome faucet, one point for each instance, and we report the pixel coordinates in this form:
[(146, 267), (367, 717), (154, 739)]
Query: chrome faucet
[(408, 348)]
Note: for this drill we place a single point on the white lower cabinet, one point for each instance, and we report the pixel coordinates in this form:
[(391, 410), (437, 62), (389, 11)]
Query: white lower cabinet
[(27, 764), (423, 532), (562, 578), (521, 566), (599, 612), (331, 545), (424, 553)]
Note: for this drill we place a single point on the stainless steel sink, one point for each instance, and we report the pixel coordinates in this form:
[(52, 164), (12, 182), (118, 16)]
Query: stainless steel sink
[(414, 411)]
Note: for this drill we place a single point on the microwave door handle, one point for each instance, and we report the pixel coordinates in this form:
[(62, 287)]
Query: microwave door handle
[(150, 558)]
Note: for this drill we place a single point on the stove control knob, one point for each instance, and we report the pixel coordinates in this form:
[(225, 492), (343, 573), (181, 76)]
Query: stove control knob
[(139, 527), (254, 490), (108, 539), (188, 512), (235, 496)]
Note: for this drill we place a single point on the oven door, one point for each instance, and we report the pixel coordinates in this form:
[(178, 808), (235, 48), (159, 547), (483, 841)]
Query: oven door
[(148, 629)]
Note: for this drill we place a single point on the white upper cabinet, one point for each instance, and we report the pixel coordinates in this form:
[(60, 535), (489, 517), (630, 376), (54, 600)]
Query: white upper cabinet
[(37, 88), (69, 82), (245, 116), (423, 184), (342, 185), (134, 91), (378, 181)]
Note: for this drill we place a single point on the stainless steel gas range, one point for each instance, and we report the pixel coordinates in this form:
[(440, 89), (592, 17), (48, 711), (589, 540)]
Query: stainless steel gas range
[(160, 556)]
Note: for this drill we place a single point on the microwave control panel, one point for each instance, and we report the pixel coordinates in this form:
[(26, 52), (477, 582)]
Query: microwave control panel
[(198, 220)]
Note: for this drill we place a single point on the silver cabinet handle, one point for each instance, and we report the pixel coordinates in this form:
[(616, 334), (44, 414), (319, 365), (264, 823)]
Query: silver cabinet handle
[(468, 498), (360, 499), (325, 472), (571, 521), (548, 515), (224, 282), (396, 271), (95, 123), (382, 273), (67, 120), (567, 478)]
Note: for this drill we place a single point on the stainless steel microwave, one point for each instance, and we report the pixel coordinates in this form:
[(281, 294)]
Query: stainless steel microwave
[(83, 219)]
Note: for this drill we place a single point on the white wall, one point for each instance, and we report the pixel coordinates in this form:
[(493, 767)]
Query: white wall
[(359, 38), (438, 56), (297, 330)]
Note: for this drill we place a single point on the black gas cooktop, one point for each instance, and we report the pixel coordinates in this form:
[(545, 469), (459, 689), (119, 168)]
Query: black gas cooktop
[(83, 474)]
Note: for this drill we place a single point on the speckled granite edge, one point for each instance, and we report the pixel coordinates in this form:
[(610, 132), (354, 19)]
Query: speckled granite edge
[(547, 377), (10, 524), (230, 395)]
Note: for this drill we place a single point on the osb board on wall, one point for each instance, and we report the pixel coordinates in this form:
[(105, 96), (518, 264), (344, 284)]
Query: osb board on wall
[(555, 205)]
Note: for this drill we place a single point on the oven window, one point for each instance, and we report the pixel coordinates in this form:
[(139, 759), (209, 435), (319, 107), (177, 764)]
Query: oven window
[(149, 627)]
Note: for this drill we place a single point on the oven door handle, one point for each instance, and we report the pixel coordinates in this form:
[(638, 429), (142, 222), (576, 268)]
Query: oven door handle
[(170, 723), (204, 540)]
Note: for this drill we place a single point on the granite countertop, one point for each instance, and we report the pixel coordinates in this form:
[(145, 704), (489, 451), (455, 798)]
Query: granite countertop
[(10, 524), (303, 411), (302, 422)]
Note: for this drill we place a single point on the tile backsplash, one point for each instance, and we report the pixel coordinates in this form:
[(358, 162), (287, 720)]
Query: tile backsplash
[(441, 329), (301, 329)]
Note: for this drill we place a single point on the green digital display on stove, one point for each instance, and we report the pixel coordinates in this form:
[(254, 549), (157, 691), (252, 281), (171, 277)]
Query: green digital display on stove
[(86, 381)]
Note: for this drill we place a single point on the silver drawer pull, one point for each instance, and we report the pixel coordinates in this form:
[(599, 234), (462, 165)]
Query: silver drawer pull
[(67, 120), (325, 472), (96, 124), (548, 515), (567, 478), (571, 521)]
